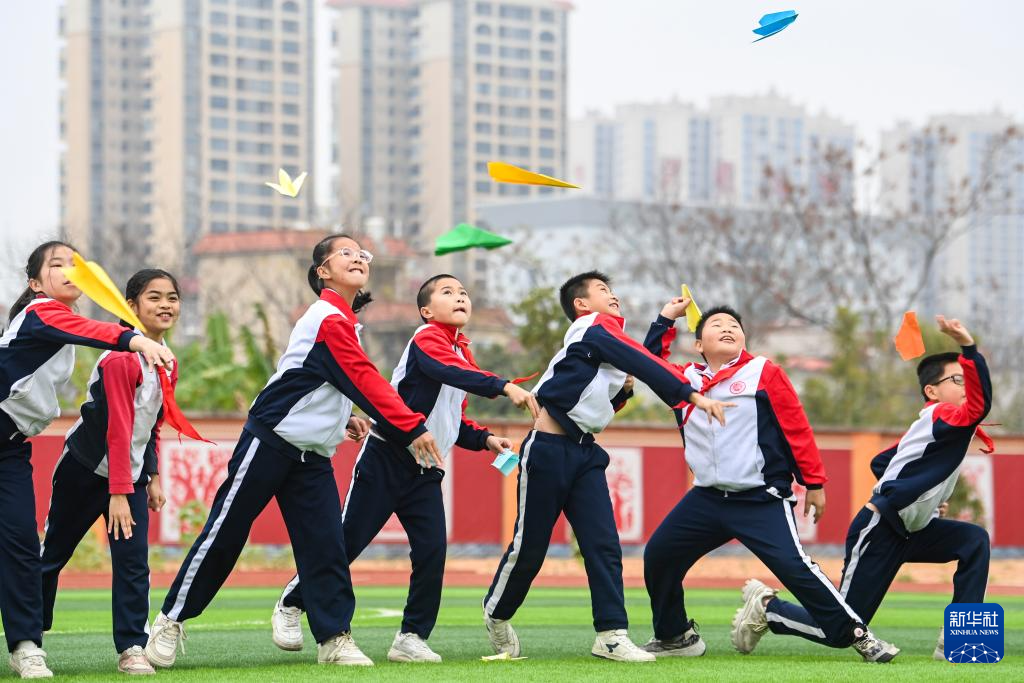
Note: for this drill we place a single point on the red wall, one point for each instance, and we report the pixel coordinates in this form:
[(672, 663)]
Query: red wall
[(648, 483)]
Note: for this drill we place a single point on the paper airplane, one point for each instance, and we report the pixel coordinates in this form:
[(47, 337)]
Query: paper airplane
[(693, 313), (507, 173), (285, 185), (501, 657), (465, 236), (770, 24), (908, 340), (94, 282)]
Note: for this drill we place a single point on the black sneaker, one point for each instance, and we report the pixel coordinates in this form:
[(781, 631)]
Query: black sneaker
[(689, 644)]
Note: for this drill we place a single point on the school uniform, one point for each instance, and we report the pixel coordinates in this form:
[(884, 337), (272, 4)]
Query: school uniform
[(581, 390), (742, 489), (433, 377), (284, 452), (915, 476), (111, 449), (37, 356)]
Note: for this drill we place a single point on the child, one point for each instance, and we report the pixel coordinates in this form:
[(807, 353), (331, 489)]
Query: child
[(742, 488), (285, 450), (109, 468), (563, 469), (37, 355), (915, 477), (434, 375)]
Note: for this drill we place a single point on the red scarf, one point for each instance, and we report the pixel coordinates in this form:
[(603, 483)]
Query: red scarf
[(172, 413)]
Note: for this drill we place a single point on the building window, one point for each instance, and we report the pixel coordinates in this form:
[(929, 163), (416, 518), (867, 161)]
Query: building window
[(249, 147), (219, 144), (290, 150), (514, 32), (290, 212), (290, 26), (484, 9), (289, 129), (483, 148), (483, 187), (218, 164), (219, 39), (547, 55), (219, 206), (218, 102), (254, 106), (547, 16), (218, 123), (483, 30), (290, 109), (547, 153), (547, 94), (484, 49), (482, 108), (219, 81), (262, 210), (514, 52), (217, 59), (249, 43), (513, 72), (218, 186), (290, 47), (253, 23), (547, 133), (483, 69), (547, 74), (515, 12), (290, 88), (290, 67), (547, 37), (482, 127), (218, 19)]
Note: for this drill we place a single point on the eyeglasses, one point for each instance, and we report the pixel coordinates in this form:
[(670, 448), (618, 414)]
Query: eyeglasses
[(956, 379), (350, 254)]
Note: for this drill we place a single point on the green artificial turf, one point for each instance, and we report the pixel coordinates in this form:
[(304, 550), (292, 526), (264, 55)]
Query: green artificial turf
[(231, 641)]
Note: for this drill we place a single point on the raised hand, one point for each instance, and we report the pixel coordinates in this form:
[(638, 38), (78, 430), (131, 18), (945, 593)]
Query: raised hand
[(675, 308), (951, 327)]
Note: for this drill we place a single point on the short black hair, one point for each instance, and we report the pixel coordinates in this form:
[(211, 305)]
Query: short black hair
[(427, 290), (930, 369), (715, 310), (576, 287)]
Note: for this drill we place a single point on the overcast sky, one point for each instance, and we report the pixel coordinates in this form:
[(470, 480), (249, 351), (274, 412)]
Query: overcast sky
[(868, 62)]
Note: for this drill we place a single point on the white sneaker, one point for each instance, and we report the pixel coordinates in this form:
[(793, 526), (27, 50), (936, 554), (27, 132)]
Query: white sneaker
[(286, 623), (689, 644), (750, 621), (30, 662), (133, 662), (940, 648), (409, 647), (342, 650), (165, 638), (874, 649), (503, 637), (616, 645)]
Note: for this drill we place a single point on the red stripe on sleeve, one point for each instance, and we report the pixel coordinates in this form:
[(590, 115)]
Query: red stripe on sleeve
[(58, 316), (973, 409), (343, 344), (433, 342), (122, 374), (793, 421)]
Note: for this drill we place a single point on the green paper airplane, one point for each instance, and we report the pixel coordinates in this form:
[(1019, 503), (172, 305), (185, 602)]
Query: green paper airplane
[(466, 236)]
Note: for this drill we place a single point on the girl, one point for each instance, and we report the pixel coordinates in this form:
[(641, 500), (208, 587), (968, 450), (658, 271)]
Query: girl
[(294, 427), (37, 356), (112, 471)]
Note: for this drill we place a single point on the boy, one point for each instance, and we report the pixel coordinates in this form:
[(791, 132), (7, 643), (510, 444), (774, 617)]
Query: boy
[(915, 476), (434, 375), (742, 488), (563, 469)]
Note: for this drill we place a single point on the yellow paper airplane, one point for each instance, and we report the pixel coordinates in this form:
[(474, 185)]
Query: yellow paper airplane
[(285, 185), (507, 173), (94, 282), (692, 310)]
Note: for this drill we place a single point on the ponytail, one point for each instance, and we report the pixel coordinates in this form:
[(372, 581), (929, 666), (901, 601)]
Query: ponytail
[(321, 251), (33, 269)]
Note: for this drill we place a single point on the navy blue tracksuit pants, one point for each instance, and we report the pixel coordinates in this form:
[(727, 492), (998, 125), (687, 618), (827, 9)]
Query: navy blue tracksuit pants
[(308, 497), (80, 497), (387, 480), (705, 519), (21, 595), (875, 552), (558, 475)]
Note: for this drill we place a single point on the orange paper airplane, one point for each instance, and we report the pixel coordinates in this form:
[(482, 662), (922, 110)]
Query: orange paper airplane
[(909, 342)]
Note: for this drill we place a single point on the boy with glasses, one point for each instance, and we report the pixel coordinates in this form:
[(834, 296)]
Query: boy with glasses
[(901, 523)]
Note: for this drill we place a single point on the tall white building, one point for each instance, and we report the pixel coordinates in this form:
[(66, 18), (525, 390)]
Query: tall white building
[(676, 152), (173, 114), (429, 91), (982, 271)]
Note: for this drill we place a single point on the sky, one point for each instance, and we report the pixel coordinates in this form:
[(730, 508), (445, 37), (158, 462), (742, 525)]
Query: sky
[(869, 63)]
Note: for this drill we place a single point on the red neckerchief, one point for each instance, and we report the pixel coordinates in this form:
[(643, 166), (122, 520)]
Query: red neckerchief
[(990, 446), (172, 413), (725, 372)]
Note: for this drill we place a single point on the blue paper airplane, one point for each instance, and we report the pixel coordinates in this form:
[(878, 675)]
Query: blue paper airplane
[(770, 24)]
